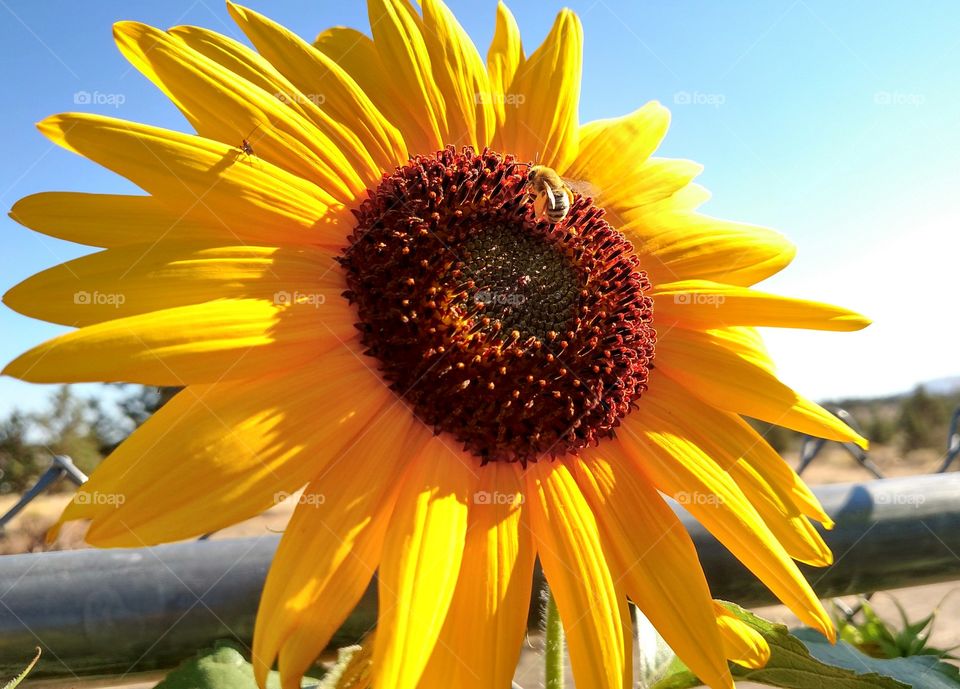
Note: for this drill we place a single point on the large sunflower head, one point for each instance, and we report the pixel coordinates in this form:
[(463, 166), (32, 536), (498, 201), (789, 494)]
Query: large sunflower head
[(370, 275)]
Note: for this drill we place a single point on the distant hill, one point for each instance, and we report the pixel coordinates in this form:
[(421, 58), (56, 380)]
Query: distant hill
[(946, 386), (943, 386), (912, 420)]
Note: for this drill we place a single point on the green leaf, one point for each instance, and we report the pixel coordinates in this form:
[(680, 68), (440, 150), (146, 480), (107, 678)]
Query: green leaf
[(915, 671), (222, 667), (807, 660), (878, 639), (677, 676)]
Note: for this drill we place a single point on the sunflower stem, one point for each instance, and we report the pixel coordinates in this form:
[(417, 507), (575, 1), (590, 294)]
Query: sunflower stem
[(553, 657)]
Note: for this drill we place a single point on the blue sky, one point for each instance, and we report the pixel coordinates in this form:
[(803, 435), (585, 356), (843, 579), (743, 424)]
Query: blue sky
[(836, 123)]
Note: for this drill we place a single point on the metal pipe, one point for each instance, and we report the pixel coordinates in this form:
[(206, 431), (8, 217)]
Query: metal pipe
[(953, 441), (812, 446), (61, 466), (133, 610)]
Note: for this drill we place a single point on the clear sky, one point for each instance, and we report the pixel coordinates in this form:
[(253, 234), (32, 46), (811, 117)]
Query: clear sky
[(836, 123)]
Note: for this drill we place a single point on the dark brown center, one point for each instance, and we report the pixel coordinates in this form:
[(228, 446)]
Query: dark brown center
[(521, 338), (518, 280)]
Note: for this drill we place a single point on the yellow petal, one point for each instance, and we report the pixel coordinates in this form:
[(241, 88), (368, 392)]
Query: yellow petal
[(681, 245), (332, 545), (205, 180), (460, 75), (313, 107), (798, 536), (197, 343), (611, 148), (682, 470), (614, 161), (225, 107), (398, 35), (686, 199), (612, 151), (218, 454), (744, 645), (651, 183), (357, 55), (730, 378), (325, 83), (479, 646), (109, 220), (708, 304), (421, 561), (146, 277), (733, 439), (681, 198), (653, 560), (569, 543), (544, 125), (240, 60), (774, 505), (504, 59)]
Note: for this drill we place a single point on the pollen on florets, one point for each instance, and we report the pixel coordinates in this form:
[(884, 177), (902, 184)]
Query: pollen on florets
[(521, 338)]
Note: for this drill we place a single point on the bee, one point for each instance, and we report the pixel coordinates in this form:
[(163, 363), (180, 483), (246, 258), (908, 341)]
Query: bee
[(550, 193)]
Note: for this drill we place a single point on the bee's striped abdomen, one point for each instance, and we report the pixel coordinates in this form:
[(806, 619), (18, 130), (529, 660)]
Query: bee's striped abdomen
[(559, 210)]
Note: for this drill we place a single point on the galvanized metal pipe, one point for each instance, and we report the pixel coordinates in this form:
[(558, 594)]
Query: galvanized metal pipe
[(61, 467), (119, 611)]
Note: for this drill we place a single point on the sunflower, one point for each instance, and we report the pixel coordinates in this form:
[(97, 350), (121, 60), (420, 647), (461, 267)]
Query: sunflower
[(344, 271)]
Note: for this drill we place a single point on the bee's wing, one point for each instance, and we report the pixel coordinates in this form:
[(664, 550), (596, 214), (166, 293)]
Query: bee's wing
[(582, 187)]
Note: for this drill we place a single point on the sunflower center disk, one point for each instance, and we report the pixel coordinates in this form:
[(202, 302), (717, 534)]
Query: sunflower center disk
[(514, 278), (521, 338)]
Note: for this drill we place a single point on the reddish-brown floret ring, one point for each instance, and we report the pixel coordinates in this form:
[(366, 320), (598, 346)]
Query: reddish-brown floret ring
[(522, 339)]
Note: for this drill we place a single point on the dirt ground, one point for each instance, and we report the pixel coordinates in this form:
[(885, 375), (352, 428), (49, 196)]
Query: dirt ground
[(834, 466)]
